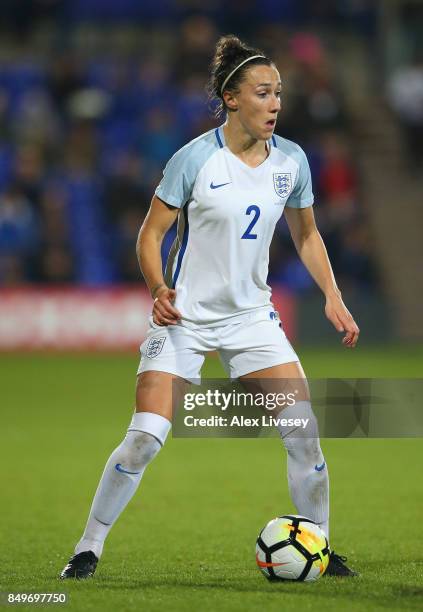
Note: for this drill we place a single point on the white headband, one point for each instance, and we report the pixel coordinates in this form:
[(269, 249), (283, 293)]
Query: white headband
[(237, 68)]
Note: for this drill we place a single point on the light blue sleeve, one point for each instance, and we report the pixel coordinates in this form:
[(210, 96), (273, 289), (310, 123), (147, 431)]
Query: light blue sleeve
[(178, 179), (302, 194), (182, 169)]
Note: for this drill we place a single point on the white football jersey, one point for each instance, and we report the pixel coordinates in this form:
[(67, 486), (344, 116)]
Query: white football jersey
[(218, 263)]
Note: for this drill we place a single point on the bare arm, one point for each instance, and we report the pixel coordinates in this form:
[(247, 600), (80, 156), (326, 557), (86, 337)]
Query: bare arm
[(313, 254), (159, 219)]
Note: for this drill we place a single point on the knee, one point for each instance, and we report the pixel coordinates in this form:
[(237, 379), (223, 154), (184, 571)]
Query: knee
[(140, 449), (304, 450), (312, 451), (155, 389)]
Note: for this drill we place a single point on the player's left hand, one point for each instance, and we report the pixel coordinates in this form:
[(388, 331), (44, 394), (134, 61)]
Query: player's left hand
[(341, 318)]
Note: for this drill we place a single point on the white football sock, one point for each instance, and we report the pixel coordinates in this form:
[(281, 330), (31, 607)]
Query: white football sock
[(308, 479), (121, 477)]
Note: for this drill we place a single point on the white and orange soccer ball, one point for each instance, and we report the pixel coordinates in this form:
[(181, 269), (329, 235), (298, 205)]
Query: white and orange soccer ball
[(292, 547)]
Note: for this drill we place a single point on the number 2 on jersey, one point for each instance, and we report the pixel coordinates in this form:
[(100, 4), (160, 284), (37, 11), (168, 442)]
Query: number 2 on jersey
[(247, 235)]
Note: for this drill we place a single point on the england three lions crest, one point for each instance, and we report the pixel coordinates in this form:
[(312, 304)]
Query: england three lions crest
[(282, 183), (154, 347)]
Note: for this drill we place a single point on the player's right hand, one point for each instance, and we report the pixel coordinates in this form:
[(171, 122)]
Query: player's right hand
[(164, 313)]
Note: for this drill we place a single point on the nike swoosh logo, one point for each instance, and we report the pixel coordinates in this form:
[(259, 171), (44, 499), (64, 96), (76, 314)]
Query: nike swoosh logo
[(319, 468), (217, 186), (264, 564), (119, 468)]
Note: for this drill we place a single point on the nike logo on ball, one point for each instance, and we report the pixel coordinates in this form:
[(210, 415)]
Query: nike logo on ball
[(264, 564), (217, 186), (119, 468)]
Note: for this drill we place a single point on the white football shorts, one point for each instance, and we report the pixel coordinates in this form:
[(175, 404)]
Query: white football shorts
[(254, 341)]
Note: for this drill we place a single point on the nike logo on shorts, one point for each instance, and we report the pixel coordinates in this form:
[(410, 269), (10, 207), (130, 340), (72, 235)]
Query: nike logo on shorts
[(319, 468), (217, 186)]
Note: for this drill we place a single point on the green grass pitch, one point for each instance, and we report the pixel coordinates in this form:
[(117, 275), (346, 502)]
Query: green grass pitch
[(186, 541)]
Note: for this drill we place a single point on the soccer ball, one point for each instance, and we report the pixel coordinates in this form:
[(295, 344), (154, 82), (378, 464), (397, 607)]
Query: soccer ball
[(292, 547)]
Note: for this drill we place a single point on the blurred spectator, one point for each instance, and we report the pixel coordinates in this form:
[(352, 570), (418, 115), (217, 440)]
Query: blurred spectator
[(55, 261), (56, 265), (12, 270), (312, 101), (125, 188), (64, 79), (126, 236), (18, 222), (354, 264), (19, 236), (29, 171), (337, 180), (405, 90), (161, 135), (36, 119), (81, 148), (194, 51)]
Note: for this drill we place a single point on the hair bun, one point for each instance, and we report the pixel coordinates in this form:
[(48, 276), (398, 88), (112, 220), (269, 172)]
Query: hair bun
[(228, 47), (230, 52)]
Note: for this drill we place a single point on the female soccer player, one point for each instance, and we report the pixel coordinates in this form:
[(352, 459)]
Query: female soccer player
[(227, 188)]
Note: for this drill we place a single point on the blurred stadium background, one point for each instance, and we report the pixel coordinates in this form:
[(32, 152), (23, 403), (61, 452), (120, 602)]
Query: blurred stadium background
[(96, 95)]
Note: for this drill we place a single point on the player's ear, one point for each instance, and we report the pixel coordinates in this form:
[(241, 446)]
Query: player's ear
[(230, 101)]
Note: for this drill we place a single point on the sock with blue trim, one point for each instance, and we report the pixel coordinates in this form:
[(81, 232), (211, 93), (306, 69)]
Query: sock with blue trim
[(308, 479), (122, 475)]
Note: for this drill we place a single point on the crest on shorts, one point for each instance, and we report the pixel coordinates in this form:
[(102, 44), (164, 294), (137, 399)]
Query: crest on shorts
[(282, 183), (154, 347)]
